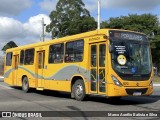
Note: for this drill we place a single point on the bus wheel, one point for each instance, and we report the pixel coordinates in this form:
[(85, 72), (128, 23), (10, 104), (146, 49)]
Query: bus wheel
[(79, 90), (25, 84)]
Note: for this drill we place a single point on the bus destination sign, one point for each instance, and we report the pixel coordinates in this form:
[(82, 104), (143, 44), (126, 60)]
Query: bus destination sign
[(127, 36)]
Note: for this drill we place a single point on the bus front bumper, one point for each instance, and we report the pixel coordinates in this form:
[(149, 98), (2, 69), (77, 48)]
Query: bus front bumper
[(114, 91)]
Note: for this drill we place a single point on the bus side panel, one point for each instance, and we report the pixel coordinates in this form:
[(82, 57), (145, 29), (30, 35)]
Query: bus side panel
[(8, 75), (54, 74), (59, 76), (28, 71), (59, 85)]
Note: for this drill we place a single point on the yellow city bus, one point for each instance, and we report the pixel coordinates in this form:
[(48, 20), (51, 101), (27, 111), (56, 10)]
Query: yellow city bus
[(107, 62)]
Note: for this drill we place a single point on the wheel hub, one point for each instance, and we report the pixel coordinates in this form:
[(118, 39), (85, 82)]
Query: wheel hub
[(79, 90), (25, 84)]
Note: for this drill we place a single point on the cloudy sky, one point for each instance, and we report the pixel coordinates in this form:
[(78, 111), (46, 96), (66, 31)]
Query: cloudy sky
[(20, 20)]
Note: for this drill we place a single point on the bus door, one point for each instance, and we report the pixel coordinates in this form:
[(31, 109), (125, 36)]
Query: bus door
[(16, 63), (97, 68), (40, 69)]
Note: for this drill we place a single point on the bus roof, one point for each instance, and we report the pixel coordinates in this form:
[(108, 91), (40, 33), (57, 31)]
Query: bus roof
[(67, 38)]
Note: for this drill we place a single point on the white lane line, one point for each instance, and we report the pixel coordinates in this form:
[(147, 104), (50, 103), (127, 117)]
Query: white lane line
[(7, 87), (156, 84), (1, 77)]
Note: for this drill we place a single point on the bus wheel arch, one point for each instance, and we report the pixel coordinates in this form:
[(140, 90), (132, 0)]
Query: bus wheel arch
[(78, 88), (25, 83)]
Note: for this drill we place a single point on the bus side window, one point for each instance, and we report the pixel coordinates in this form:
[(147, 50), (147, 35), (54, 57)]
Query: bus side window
[(56, 53), (74, 51), (29, 57), (9, 59), (22, 57)]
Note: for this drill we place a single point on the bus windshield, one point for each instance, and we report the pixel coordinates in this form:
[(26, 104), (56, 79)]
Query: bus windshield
[(131, 58)]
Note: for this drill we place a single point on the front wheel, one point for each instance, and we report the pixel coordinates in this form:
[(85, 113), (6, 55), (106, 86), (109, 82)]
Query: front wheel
[(25, 84), (79, 90)]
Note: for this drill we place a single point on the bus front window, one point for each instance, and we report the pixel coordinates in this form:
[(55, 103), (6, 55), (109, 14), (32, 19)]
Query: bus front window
[(131, 58)]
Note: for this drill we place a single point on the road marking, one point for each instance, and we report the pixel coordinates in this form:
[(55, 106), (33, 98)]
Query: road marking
[(35, 102), (7, 87), (156, 84), (1, 77)]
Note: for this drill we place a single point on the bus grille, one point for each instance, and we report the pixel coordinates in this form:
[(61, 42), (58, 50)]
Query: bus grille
[(131, 91)]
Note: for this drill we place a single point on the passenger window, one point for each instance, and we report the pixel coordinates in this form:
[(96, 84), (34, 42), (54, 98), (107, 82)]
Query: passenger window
[(22, 57), (29, 57), (74, 51), (9, 59), (56, 53)]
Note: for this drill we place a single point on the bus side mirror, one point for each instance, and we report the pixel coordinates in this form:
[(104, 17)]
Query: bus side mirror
[(111, 48)]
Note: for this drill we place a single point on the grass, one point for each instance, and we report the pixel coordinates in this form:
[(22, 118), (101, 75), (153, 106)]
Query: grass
[(156, 79)]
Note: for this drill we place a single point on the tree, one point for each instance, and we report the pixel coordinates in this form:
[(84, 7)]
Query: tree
[(146, 23), (10, 44), (70, 17)]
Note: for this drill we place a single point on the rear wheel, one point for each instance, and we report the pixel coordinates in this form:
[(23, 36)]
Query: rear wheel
[(79, 90), (25, 84)]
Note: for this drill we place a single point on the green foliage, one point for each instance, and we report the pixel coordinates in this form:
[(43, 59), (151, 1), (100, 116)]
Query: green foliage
[(10, 44), (70, 17), (146, 23)]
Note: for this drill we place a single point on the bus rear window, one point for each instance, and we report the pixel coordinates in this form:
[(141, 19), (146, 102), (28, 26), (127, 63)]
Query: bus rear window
[(9, 59)]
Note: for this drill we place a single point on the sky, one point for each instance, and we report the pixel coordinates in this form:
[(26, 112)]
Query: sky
[(20, 20)]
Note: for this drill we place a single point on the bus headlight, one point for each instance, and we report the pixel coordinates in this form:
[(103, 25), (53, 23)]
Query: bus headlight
[(116, 81)]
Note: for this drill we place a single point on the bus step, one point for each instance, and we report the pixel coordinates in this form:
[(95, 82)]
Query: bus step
[(40, 88)]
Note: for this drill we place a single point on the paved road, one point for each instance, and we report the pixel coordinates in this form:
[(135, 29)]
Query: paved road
[(1, 79), (14, 99)]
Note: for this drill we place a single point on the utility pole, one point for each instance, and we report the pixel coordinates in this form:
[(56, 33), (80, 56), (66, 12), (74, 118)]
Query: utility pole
[(99, 14), (43, 29)]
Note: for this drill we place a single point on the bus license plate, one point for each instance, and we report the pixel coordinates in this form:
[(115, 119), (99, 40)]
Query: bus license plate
[(137, 93)]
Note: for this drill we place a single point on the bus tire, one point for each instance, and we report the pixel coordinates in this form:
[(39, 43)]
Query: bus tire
[(25, 85), (79, 90)]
